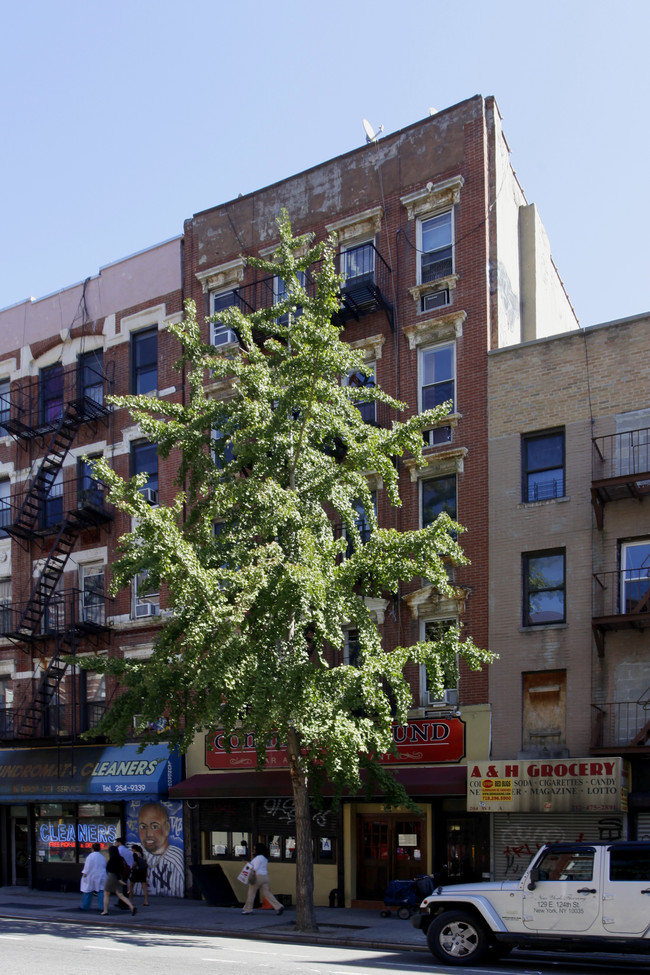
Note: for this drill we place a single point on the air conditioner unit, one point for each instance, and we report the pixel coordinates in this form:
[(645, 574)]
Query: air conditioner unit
[(146, 609), (224, 336), (150, 495), (449, 698)]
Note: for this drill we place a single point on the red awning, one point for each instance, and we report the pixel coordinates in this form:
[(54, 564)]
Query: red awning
[(439, 780)]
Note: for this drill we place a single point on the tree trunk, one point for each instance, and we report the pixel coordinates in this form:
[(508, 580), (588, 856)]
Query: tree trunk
[(305, 914)]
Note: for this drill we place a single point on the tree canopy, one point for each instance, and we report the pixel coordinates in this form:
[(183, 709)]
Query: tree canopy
[(272, 454)]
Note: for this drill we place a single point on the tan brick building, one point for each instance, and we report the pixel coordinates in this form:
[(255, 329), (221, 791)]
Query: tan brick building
[(569, 570)]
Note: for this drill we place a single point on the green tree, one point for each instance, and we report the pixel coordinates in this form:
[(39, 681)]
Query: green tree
[(259, 583)]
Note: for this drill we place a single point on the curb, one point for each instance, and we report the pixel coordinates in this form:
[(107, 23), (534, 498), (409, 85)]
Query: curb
[(288, 937)]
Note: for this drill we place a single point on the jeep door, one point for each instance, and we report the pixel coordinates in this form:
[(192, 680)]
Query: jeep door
[(626, 889), (566, 897)]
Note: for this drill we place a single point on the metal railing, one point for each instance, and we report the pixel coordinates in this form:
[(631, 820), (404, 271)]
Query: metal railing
[(625, 592), (37, 403), (619, 723), (621, 454), (65, 611)]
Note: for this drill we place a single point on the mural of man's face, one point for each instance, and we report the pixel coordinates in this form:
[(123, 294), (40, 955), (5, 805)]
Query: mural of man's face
[(154, 828)]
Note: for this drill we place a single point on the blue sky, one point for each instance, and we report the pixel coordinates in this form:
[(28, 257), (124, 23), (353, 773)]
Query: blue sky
[(121, 119)]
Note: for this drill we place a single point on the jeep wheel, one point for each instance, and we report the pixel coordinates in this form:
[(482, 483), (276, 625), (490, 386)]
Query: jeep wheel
[(457, 938)]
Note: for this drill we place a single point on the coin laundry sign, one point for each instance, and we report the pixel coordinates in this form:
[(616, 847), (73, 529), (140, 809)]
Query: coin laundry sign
[(421, 742), (573, 785)]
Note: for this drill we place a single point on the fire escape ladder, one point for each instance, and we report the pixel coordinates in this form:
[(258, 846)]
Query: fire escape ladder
[(48, 685), (27, 518), (45, 585)]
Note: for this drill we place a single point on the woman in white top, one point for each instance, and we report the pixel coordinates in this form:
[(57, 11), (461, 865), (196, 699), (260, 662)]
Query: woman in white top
[(93, 878), (260, 863)]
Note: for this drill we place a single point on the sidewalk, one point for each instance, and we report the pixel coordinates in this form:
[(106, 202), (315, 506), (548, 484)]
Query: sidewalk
[(340, 926)]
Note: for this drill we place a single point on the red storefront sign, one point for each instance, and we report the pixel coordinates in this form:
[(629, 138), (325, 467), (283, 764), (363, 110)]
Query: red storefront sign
[(425, 741)]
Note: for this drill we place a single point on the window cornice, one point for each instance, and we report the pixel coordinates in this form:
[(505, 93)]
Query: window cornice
[(451, 461), (222, 276), (435, 330), (359, 225), (433, 197)]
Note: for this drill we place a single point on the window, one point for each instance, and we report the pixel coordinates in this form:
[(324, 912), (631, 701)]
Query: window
[(93, 697), (51, 391), (5, 605), (93, 608), (221, 334), (5, 404), (90, 491), (434, 630), (144, 361), (437, 386), (362, 523), (52, 507), (630, 863), (91, 376), (146, 599), (5, 506), (364, 380), (635, 576), (280, 294), (543, 465), (144, 460), (351, 648), (225, 844), (544, 587), (6, 708), (436, 248), (572, 865), (438, 495), (357, 264)]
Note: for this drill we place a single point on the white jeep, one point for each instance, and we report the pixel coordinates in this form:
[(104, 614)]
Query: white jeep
[(572, 897)]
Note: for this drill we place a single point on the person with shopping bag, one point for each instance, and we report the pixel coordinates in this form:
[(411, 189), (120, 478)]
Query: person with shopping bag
[(258, 879)]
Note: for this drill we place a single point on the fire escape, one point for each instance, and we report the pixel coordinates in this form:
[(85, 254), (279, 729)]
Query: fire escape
[(49, 412)]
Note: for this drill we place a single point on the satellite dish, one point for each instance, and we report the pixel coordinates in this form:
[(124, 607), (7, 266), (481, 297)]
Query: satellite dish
[(371, 135)]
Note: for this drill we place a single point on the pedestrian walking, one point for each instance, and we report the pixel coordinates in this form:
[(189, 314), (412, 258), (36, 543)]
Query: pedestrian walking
[(93, 878), (139, 874), (114, 880), (260, 864)]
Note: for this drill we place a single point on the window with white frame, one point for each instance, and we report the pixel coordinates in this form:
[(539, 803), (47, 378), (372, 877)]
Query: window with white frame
[(220, 334), (91, 581), (358, 263), (146, 599), (635, 576), (435, 246), (437, 371), (434, 630)]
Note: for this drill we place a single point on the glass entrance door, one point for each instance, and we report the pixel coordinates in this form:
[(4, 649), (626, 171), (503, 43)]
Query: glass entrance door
[(389, 847)]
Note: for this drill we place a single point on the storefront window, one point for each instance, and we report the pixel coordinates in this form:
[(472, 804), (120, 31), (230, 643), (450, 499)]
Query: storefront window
[(61, 828), (226, 845), (283, 848)]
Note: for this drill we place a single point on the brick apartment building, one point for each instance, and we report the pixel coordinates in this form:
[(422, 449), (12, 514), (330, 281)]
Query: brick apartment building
[(570, 587), (444, 261), (60, 358)]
